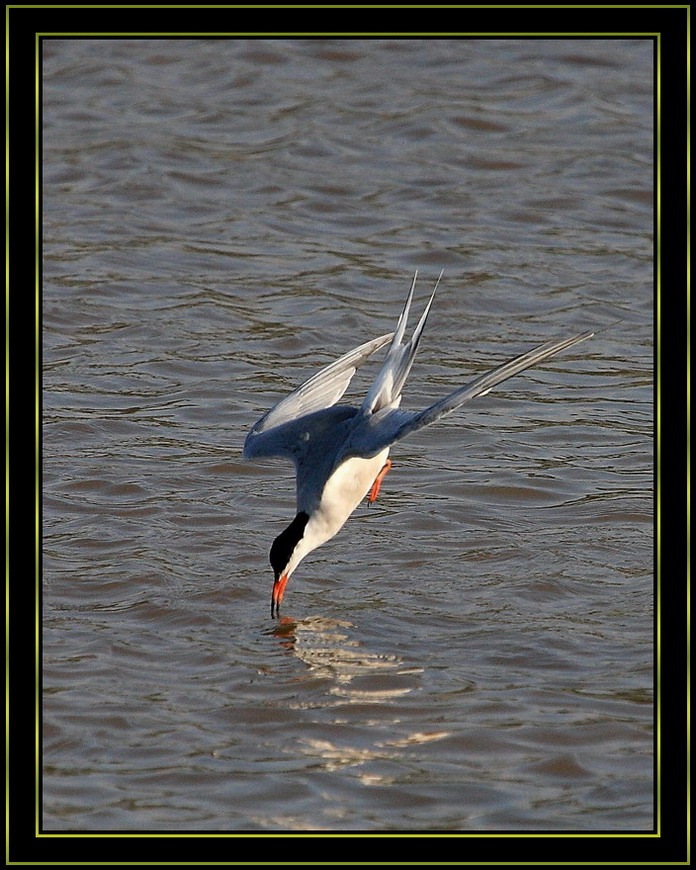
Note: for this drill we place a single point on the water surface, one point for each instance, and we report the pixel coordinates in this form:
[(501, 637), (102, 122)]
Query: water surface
[(221, 218)]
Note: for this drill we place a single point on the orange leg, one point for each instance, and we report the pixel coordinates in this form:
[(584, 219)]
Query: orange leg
[(374, 492)]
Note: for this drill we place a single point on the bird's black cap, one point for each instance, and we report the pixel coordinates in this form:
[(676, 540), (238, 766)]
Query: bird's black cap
[(285, 543)]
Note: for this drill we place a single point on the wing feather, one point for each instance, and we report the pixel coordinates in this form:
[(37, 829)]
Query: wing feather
[(387, 386), (392, 424), (321, 391)]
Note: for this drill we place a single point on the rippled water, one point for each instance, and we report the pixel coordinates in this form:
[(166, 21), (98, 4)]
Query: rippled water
[(222, 217)]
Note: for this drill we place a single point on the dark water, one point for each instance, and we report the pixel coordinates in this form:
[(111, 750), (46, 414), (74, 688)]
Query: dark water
[(222, 217)]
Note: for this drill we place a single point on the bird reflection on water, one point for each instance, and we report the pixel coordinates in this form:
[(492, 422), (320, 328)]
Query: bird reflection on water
[(326, 646)]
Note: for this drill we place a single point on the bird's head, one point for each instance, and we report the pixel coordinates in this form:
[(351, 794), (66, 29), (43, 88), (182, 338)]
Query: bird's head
[(285, 556)]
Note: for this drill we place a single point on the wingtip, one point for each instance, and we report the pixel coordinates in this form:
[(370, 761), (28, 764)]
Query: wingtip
[(424, 316), (403, 317), (583, 336), (437, 284)]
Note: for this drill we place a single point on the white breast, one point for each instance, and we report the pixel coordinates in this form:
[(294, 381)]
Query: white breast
[(343, 492)]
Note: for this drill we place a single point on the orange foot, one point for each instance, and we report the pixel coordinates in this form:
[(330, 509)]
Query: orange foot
[(374, 492)]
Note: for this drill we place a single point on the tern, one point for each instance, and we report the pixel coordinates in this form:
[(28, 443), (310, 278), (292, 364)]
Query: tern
[(341, 452)]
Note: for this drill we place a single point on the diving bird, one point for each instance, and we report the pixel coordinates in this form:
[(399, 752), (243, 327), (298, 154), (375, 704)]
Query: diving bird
[(340, 452)]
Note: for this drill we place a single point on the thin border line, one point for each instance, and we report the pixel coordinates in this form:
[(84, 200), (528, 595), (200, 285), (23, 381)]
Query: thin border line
[(324, 835), (658, 287)]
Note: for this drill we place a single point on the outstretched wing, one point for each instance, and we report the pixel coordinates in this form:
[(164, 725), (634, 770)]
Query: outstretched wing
[(390, 425), (321, 391)]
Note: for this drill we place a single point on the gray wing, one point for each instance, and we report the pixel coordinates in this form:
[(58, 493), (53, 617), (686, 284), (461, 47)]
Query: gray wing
[(375, 433), (272, 436)]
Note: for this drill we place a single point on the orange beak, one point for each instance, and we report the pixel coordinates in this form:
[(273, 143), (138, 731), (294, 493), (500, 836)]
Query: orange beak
[(279, 585)]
